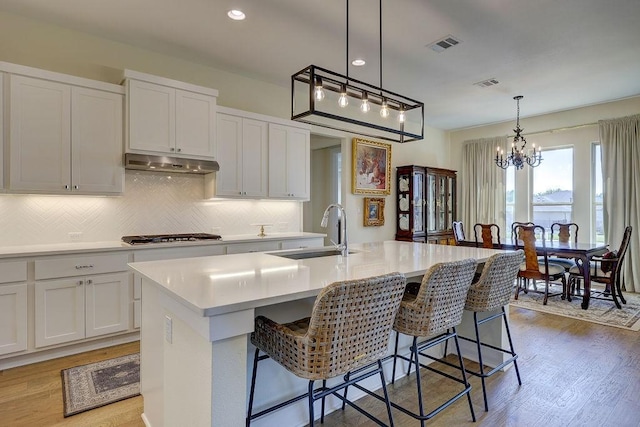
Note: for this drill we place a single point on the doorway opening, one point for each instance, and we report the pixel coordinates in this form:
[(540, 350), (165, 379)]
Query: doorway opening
[(326, 186)]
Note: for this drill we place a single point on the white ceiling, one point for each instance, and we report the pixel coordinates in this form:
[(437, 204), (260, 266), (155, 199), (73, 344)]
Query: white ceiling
[(559, 54)]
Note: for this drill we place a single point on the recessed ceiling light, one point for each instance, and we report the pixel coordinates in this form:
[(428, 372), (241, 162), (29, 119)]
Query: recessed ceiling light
[(358, 62), (236, 15)]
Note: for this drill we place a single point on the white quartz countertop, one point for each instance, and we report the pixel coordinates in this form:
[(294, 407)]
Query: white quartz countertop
[(226, 283), (88, 247)]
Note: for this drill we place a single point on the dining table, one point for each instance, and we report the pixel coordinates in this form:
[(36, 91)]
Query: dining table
[(581, 252)]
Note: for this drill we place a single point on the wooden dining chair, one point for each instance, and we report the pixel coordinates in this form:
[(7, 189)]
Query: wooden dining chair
[(565, 233), (487, 235), (606, 270), (532, 269), (458, 231), (514, 233)]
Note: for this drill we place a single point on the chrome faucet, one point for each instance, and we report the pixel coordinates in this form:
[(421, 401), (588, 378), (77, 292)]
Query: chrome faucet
[(343, 247)]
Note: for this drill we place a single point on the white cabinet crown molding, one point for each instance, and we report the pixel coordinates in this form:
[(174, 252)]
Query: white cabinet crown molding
[(23, 70), (262, 117), (137, 75)]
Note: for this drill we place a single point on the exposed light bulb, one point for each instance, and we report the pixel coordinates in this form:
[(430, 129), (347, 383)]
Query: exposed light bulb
[(319, 92), (384, 110), (365, 106), (343, 101), (401, 115)]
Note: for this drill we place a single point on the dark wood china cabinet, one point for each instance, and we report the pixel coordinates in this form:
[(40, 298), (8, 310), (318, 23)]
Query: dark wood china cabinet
[(426, 204)]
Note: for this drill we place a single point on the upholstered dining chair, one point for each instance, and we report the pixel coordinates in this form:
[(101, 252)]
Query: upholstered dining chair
[(433, 313), (533, 269), (348, 331), (487, 235), (458, 231), (489, 294), (606, 270), (565, 232)]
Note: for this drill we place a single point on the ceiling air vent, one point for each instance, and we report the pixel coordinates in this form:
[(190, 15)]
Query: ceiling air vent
[(487, 83), (444, 43)]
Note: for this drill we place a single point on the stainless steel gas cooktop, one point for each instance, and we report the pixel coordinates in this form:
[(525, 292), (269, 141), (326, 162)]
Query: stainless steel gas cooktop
[(167, 238)]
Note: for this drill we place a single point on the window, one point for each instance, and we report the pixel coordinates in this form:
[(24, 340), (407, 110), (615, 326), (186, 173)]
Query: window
[(597, 223), (510, 199), (552, 196)]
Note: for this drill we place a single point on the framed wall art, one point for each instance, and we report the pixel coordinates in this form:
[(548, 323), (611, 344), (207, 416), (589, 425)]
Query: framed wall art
[(373, 211), (371, 170)]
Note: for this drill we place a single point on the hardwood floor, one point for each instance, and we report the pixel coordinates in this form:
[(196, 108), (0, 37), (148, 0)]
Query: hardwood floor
[(32, 395), (574, 373)]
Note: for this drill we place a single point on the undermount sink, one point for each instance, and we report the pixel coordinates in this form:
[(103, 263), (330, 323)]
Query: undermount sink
[(309, 253)]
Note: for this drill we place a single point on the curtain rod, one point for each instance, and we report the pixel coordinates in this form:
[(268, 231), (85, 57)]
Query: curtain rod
[(557, 129)]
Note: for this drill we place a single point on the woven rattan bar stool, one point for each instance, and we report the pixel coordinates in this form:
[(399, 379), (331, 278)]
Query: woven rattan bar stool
[(492, 292), (348, 330), (434, 312)]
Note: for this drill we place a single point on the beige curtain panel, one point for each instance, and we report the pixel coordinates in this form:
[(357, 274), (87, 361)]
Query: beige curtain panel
[(482, 184), (620, 148)]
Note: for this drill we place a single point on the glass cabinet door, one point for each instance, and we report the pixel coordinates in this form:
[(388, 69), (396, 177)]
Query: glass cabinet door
[(418, 202), (431, 201), (450, 203)]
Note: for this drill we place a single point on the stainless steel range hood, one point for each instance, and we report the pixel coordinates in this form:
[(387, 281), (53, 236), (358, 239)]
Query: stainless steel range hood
[(169, 164)]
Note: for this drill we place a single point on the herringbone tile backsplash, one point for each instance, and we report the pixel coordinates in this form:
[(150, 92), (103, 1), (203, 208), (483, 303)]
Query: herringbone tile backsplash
[(153, 203)]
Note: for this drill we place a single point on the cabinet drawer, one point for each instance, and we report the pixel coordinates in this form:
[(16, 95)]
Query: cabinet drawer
[(49, 268), (13, 271), (241, 248)]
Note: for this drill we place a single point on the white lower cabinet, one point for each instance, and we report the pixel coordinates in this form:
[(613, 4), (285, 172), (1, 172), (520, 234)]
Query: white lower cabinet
[(13, 306), (81, 307), (71, 304), (13, 318)]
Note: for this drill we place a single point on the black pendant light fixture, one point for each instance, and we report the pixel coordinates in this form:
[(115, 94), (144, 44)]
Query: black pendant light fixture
[(325, 98), (518, 156)]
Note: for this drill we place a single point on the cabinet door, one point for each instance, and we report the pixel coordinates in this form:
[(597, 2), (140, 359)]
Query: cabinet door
[(13, 318), (40, 135), (108, 298), (152, 112), (278, 184), (298, 158), (229, 140), (195, 124), (288, 162), (2, 102), (254, 158), (96, 135), (59, 311)]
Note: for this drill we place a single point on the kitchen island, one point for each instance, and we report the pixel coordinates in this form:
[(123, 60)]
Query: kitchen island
[(197, 314)]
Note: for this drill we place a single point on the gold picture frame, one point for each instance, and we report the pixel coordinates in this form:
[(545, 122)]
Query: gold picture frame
[(371, 169), (373, 211)]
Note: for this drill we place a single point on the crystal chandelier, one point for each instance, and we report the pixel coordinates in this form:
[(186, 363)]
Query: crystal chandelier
[(518, 156)]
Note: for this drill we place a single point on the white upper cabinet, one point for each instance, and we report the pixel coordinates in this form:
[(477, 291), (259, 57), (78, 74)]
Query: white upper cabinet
[(288, 162), (39, 135), (96, 141), (242, 154), (170, 117), (64, 138)]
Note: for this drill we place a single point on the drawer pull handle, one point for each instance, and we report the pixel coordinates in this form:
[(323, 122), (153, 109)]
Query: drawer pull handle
[(81, 267)]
